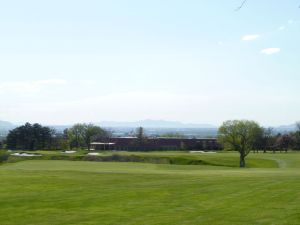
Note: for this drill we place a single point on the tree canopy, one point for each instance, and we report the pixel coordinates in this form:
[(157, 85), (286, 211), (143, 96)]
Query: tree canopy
[(30, 137), (81, 135), (240, 135)]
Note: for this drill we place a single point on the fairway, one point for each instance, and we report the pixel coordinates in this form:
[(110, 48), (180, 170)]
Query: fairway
[(44, 192)]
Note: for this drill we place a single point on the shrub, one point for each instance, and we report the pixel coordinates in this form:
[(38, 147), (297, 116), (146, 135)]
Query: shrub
[(3, 156)]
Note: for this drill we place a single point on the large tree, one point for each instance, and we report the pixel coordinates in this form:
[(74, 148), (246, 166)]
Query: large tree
[(76, 135), (92, 132), (30, 137), (239, 135), (81, 135)]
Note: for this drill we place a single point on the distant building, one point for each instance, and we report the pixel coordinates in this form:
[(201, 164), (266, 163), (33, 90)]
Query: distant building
[(152, 144), (102, 146)]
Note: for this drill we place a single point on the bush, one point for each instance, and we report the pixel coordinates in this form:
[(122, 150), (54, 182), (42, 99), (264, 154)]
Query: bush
[(3, 156)]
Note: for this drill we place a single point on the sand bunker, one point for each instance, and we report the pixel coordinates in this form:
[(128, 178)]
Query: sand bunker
[(93, 153), (25, 154), (201, 152), (68, 152)]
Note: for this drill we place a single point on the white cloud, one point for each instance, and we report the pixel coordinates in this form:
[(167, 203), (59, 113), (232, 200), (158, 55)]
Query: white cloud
[(270, 51), (251, 37), (281, 28), (29, 86)]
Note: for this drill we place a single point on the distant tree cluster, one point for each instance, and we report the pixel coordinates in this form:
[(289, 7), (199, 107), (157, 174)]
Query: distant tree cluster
[(30, 137), (270, 141), (38, 137)]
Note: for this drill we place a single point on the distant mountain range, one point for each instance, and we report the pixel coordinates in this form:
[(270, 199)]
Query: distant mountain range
[(154, 124), (286, 128), (157, 125), (5, 127), (5, 124)]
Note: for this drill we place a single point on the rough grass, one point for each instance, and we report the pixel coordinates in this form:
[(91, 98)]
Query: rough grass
[(67, 192), (178, 158)]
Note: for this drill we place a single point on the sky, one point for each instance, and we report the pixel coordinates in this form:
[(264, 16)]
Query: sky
[(194, 61)]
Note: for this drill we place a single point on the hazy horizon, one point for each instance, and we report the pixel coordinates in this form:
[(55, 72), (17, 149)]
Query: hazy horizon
[(104, 123), (63, 62)]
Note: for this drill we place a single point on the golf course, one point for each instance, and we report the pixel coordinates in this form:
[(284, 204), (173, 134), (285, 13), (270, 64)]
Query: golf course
[(215, 191)]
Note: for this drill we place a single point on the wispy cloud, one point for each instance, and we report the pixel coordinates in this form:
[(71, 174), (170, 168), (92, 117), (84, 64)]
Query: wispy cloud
[(270, 51), (29, 86), (291, 21), (281, 28), (251, 37)]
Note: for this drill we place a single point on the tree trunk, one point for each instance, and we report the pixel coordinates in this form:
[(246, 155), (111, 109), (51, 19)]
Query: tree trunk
[(242, 160)]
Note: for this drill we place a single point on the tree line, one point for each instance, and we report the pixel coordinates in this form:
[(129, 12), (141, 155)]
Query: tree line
[(79, 136), (38, 137)]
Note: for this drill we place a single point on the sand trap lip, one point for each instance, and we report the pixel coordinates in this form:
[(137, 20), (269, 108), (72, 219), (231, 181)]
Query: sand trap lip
[(202, 152), (68, 152), (24, 154), (93, 153)]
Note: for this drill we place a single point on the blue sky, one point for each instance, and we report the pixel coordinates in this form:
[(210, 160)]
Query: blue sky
[(194, 61)]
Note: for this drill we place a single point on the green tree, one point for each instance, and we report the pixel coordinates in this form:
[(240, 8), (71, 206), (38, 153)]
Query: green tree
[(268, 139), (141, 137), (81, 135), (239, 135), (30, 137), (76, 135), (92, 132)]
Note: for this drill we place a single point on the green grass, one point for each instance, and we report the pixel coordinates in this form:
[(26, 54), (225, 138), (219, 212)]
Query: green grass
[(180, 158), (43, 192)]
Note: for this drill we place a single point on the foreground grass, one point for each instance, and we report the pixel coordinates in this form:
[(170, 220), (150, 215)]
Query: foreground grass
[(66, 192)]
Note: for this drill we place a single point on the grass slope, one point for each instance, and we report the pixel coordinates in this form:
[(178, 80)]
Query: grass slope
[(66, 192)]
